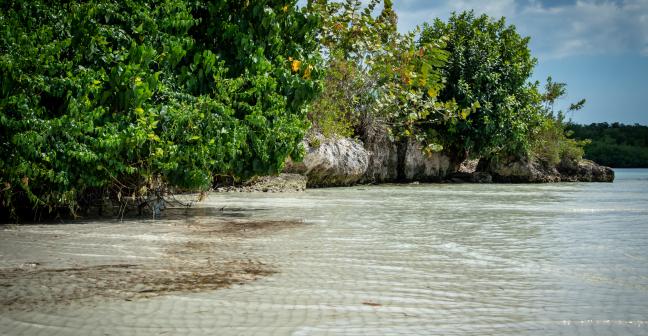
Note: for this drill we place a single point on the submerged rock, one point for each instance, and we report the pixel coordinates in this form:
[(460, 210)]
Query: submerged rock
[(470, 177)]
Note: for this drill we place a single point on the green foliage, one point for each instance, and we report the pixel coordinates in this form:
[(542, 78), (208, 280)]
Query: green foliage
[(410, 77), (551, 141), (553, 92), (111, 97), (333, 112), (551, 145), (487, 75), (374, 74), (615, 145), (351, 37)]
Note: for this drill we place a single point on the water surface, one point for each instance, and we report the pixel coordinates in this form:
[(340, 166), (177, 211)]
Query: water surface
[(427, 259)]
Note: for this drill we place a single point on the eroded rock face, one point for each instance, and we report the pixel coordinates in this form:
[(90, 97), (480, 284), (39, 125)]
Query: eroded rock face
[(343, 161), (586, 171), (332, 162), (383, 157), (519, 171), (405, 162), (531, 171), (421, 166)]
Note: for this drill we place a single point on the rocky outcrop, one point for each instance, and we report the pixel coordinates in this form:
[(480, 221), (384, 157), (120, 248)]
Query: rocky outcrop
[(331, 162), (343, 161), (383, 157), (585, 171), (531, 171), (390, 161), (421, 166), (519, 171)]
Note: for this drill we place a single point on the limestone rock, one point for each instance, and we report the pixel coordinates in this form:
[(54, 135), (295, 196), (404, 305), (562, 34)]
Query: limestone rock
[(383, 157), (421, 166), (586, 171), (393, 162), (531, 171), (332, 162), (519, 171), (468, 166)]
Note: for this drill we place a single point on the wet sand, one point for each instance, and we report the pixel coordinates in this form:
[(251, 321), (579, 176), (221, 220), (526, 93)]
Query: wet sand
[(88, 263)]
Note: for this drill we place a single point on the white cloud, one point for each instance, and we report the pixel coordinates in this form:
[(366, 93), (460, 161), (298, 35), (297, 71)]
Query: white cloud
[(415, 12), (583, 27), (494, 8)]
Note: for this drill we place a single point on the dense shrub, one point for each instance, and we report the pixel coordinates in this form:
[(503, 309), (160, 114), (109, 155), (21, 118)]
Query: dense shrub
[(488, 70), (375, 75), (550, 140), (552, 146), (108, 98)]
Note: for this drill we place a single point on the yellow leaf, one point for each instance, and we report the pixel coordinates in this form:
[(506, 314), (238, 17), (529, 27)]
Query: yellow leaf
[(295, 65), (285, 8), (307, 72), (432, 92), (465, 113), (154, 137)]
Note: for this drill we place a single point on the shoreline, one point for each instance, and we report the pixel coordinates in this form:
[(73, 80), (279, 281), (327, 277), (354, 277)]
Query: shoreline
[(52, 265), (379, 259)]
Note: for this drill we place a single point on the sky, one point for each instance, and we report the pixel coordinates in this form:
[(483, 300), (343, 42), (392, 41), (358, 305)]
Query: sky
[(599, 48)]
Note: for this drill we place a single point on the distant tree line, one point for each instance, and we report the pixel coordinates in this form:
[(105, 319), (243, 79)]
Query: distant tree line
[(615, 145)]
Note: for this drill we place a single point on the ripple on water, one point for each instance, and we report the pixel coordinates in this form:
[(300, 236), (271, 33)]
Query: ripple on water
[(556, 259)]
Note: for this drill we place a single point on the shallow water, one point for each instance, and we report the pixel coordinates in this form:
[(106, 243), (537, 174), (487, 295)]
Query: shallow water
[(449, 259)]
